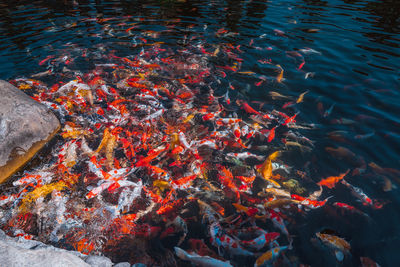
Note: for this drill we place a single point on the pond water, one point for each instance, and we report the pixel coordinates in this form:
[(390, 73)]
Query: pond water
[(331, 66)]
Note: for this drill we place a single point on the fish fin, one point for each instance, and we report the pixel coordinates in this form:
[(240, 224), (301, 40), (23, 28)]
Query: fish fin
[(339, 255)]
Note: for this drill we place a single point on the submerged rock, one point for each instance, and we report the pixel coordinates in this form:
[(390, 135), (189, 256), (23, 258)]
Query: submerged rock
[(25, 127)]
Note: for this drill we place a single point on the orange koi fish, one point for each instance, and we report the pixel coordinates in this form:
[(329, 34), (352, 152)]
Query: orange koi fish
[(184, 182), (152, 155), (227, 181), (269, 256), (331, 181), (301, 97), (249, 109), (280, 75), (271, 135), (290, 119), (266, 167), (168, 208)]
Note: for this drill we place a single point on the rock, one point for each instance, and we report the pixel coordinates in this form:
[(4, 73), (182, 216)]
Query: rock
[(25, 127), (13, 255), (99, 261), (122, 264), (18, 251)]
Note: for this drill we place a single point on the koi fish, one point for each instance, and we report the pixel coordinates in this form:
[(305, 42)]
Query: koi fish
[(261, 241), (198, 260), (244, 155), (331, 181), (301, 97), (358, 193), (249, 109), (276, 95), (309, 202), (249, 211), (271, 135), (309, 74), (341, 153), (280, 75), (183, 182), (269, 256), (277, 221), (227, 181), (266, 168), (276, 192), (45, 60), (329, 111), (364, 136), (230, 244), (277, 166), (278, 203), (290, 119), (350, 208), (367, 262), (339, 245), (307, 51)]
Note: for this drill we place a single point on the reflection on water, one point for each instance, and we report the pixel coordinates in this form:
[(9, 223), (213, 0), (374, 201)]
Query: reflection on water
[(344, 54)]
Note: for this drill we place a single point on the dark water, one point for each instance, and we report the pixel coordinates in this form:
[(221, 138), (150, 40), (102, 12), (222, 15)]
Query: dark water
[(354, 67)]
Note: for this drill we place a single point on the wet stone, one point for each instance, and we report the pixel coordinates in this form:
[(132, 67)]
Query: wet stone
[(99, 261), (25, 127), (122, 264), (21, 252)]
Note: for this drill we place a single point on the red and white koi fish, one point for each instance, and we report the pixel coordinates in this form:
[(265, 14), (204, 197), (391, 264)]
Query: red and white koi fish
[(183, 140), (313, 204), (277, 166), (358, 193), (261, 241), (277, 221), (227, 121), (230, 244), (111, 186)]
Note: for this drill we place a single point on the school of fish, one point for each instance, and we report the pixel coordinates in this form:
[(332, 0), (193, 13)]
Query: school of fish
[(161, 161)]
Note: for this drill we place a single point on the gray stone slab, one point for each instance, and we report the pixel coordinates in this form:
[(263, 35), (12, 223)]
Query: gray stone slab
[(25, 126), (13, 255), (99, 261), (122, 264)]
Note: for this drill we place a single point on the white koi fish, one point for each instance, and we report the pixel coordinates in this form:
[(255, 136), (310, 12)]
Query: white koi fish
[(198, 260)]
